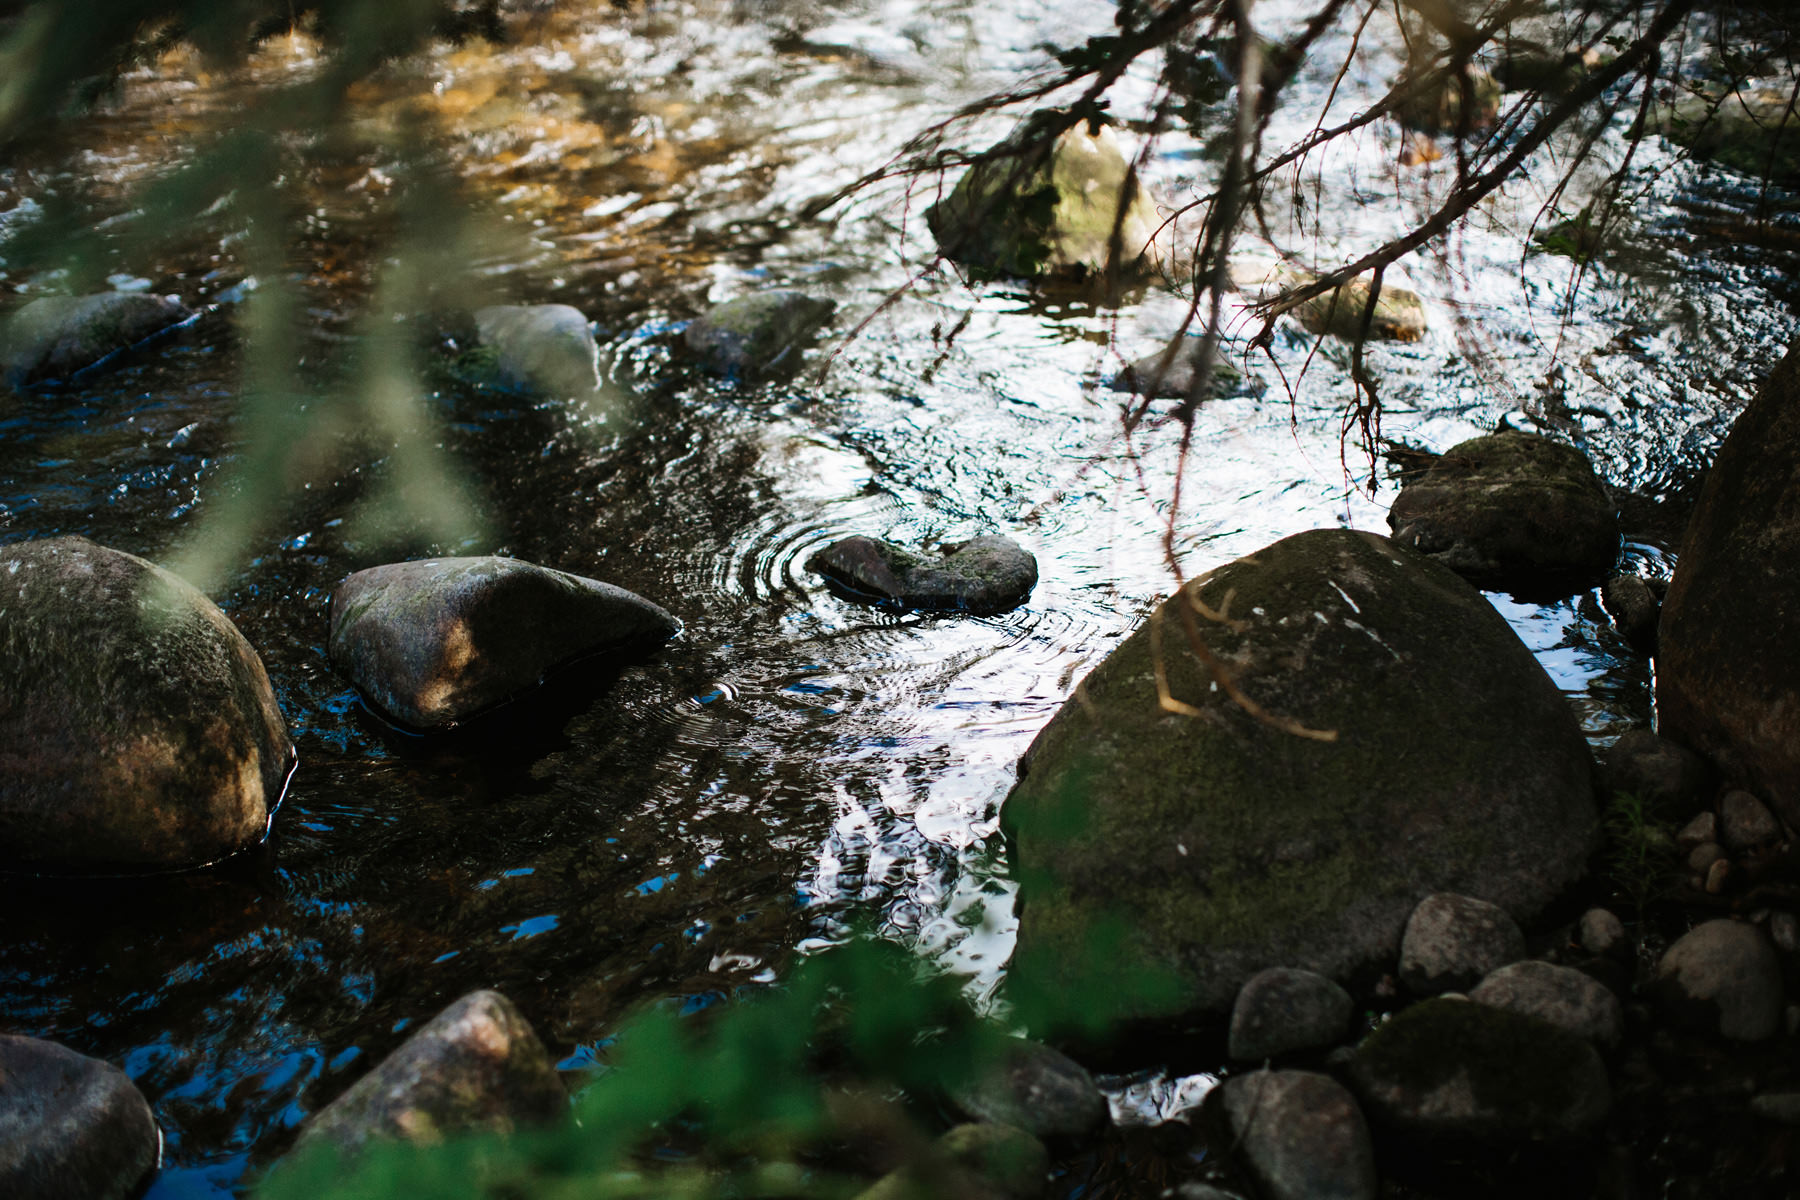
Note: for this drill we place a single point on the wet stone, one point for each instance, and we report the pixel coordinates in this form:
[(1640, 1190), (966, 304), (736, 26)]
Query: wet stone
[(1634, 610), (1302, 1135), (1745, 822), (1399, 312), (1781, 1107), (434, 642), (983, 575), (475, 1066), (71, 1127), (138, 728), (1723, 978), (1452, 941), (760, 333), (1035, 1088), (1601, 931), (1566, 998), (1512, 510), (547, 348), (1285, 1010), (56, 336)]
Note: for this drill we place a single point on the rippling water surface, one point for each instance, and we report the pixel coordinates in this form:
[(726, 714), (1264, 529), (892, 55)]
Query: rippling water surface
[(792, 765)]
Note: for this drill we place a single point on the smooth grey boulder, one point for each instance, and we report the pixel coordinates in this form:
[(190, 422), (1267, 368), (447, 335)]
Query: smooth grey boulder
[(1568, 999), (761, 333), (984, 575), (1451, 941), (1666, 776), (1601, 932), (1055, 199), (1036, 1088), (433, 642), (137, 726), (1302, 1135), (1284, 1010), (475, 1066), (1512, 510), (1722, 977), (1728, 664), (1745, 823), (1404, 742), (71, 1127), (1172, 373), (1447, 1071), (56, 336), (547, 348)]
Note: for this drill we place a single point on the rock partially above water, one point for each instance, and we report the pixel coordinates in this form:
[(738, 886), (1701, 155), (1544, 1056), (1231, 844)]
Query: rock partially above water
[(983, 575), (760, 333), (71, 1127), (1512, 510), (56, 336), (434, 642), (1045, 204), (1411, 744), (137, 726), (547, 348), (1449, 1071), (1399, 312), (475, 1066), (1728, 671)]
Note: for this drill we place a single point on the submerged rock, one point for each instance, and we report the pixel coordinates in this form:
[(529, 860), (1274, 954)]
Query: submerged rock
[(1284, 1010), (1451, 941), (137, 726), (1050, 203), (1408, 743), (760, 333), (56, 336), (1728, 666), (71, 1127), (434, 642), (475, 1066), (1512, 510), (1449, 1071), (546, 348), (983, 575), (1724, 978), (1035, 1088), (1302, 1135)]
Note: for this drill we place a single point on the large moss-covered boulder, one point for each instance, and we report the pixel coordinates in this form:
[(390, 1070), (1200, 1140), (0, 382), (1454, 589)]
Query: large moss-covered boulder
[(434, 642), (137, 726), (56, 336), (1404, 742), (1512, 510), (476, 1065), (1728, 667), (71, 1127), (1050, 202)]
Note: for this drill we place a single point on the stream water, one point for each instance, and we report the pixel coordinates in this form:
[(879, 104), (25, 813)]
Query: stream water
[(793, 765)]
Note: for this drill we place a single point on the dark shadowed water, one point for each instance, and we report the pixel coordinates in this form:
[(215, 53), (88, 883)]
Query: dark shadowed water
[(792, 765)]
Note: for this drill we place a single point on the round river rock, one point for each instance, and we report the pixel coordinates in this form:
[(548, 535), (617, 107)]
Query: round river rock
[(137, 726), (434, 642), (71, 1127), (983, 575), (1171, 842), (56, 336)]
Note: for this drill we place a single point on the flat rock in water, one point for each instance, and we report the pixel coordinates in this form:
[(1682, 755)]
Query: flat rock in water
[(1407, 743), (1512, 510), (1728, 666), (433, 642), (71, 1127), (475, 1066), (1302, 1135), (1448, 1071), (56, 336), (1047, 203), (983, 575), (760, 333), (137, 726), (547, 348)]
